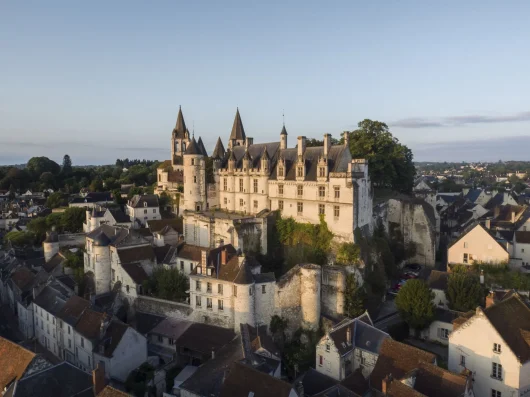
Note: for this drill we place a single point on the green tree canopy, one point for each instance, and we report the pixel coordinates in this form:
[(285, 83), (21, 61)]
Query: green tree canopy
[(67, 165), (464, 292), (48, 180), (56, 200), (354, 297), (168, 284), (348, 254), (37, 165), (414, 303), (390, 162)]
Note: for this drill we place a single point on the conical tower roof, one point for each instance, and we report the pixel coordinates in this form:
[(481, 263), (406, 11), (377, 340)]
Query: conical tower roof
[(219, 151), (238, 132), (201, 147), (284, 131), (180, 127), (193, 147)]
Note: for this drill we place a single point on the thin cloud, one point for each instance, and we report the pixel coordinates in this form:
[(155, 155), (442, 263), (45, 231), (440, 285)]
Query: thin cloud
[(459, 121)]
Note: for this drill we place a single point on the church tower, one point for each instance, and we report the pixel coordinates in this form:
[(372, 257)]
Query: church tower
[(237, 136), (194, 178), (180, 139)]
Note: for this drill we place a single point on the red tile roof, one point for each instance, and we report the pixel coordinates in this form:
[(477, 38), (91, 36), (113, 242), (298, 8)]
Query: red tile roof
[(14, 360)]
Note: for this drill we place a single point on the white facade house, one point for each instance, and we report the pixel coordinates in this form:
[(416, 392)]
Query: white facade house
[(493, 345), (96, 217), (303, 182), (348, 346), (521, 250), (143, 208), (477, 245)]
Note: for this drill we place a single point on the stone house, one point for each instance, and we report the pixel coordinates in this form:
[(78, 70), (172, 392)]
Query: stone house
[(350, 345), (521, 250), (67, 319), (437, 282), (492, 344), (92, 200), (98, 216), (143, 208), (477, 245)]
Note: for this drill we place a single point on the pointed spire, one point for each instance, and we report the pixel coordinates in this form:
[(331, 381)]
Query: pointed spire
[(180, 127), (284, 131), (193, 147), (219, 150), (238, 132), (201, 147)]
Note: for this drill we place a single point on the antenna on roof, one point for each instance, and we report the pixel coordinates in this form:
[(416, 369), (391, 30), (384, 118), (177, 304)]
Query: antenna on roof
[(283, 115), (193, 130)]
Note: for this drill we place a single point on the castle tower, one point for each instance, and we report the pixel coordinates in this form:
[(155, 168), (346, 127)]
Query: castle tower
[(310, 277), (237, 136), (219, 150), (50, 245), (194, 178), (244, 307), (102, 266), (180, 138)]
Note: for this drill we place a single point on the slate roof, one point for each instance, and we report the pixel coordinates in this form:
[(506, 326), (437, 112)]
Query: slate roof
[(72, 309), (337, 391), (93, 197), (23, 278), (202, 149), (54, 261), (195, 336), (67, 280), (362, 335), (118, 215), (112, 338), (180, 129), (193, 147), (136, 272), (438, 280), (145, 322), (260, 339), (238, 132), (254, 151), (219, 150), (314, 382), (50, 300), (242, 380), (509, 317), (397, 358), (89, 324), (161, 253), (159, 224), (136, 254), (473, 194), (356, 382), (14, 360), (139, 200), (264, 278), (208, 378), (62, 380)]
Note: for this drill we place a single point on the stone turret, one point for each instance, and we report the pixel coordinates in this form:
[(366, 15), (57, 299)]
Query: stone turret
[(237, 136), (310, 276), (50, 245), (283, 138), (194, 178)]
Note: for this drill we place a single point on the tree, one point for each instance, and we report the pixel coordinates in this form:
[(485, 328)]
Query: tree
[(72, 219), (277, 327), (48, 180), (414, 303), (12, 192), (168, 284), (37, 165), (165, 200), (464, 292), (19, 238), (96, 185), (118, 199), (67, 165), (56, 200), (354, 297), (390, 162), (348, 254)]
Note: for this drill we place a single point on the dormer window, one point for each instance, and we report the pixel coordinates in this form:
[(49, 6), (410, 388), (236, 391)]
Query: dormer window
[(192, 161), (145, 204), (280, 171), (322, 172), (300, 172)]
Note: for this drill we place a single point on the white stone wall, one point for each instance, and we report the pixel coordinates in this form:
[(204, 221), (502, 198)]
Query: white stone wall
[(25, 320), (331, 360), (474, 340), (46, 329), (365, 360), (102, 268), (264, 299), (226, 316), (433, 334), (83, 352), (67, 341), (143, 214), (194, 183)]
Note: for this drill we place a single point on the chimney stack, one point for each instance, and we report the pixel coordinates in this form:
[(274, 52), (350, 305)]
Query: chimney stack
[(249, 142), (327, 144), (346, 136), (513, 216), (490, 299), (386, 384), (496, 212), (98, 378), (223, 256), (301, 145), (488, 223), (348, 334), (203, 258)]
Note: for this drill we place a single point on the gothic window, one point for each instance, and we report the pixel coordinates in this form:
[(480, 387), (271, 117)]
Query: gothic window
[(280, 171), (241, 203), (225, 184), (322, 172), (337, 192), (280, 205), (336, 211)]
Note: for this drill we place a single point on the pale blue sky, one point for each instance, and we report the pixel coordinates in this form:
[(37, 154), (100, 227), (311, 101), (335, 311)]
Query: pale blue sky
[(103, 79)]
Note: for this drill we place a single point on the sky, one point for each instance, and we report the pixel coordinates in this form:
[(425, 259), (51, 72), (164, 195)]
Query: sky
[(102, 80)]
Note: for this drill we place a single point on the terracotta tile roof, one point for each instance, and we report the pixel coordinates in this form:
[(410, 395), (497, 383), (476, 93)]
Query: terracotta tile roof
[(72, 309), (109, 391), (434, 381), (89, 325), (509, 318), (242, 380), (136, 272), (438, 280), (14, 360), (136, 254), (112, 338), (398, 389), (397, 358)]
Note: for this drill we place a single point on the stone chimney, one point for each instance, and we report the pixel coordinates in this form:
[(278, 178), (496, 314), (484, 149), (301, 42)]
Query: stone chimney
[(490, 299), (346, 136), (224, 254), (496, 212), (348, 334), (105, 321), (488, 224), (249, 142), (513, 216), (203, 258), (213, 354), (98, 378), (386, 384), (327, 144), (301, 145)]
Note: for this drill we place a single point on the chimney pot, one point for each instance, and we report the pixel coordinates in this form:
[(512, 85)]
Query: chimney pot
[(327, 144), (346, 136), (301, 145)]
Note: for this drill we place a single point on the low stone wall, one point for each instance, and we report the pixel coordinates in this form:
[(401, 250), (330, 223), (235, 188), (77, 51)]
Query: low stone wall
[(162, 307)]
